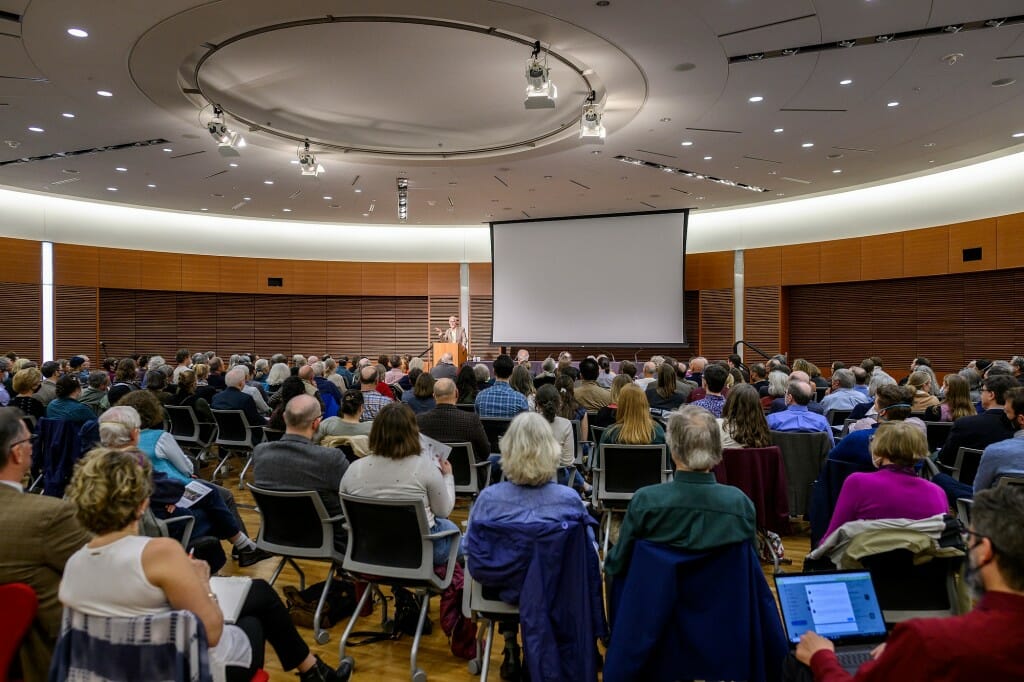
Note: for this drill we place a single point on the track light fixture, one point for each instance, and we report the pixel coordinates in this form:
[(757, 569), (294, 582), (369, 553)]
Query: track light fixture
[(591, 128), (403, 198), (308, 162), (228, 141), (540, 91)]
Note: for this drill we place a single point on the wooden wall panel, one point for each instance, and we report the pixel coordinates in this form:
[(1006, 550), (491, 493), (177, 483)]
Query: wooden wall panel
[(987, 327), (841, 260), (22, 261), (713, 270), (274, 267), (239, 276), (272, 326), (762, 267), (480, 283), (377, 333), (691, 318), (120, 269), (343, 325), (308, 323), (716, 323), (411, 279), (442, 279), (75, 318), (801, 264), (439, 308), (976, 233), (378, 279), (117, 321), (881, 256), (345, 279), (22, 331), (926, 252), (761, 320), (481, 310), (308, 277), (236, 315), (159, 271), (200, 273), (196, 317), (1010, 241), (155, 326), (411, 333), (76, 265)]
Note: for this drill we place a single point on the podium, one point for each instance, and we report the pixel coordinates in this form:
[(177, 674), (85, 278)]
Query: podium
[(458, 353)]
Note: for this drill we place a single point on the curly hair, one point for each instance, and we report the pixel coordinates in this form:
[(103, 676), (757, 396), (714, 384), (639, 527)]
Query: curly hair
[(108, 487), (151, 412)]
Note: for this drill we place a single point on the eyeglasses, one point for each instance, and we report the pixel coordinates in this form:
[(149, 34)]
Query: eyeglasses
[(30, 439), (966, 534)]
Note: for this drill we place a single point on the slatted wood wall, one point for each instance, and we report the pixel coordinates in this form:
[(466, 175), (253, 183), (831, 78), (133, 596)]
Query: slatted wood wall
[(762, 320), (23, 320), (950, 320), (74, 322), (717, 329)]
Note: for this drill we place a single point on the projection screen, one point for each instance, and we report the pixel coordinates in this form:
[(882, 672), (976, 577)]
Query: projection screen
[(595, 280)]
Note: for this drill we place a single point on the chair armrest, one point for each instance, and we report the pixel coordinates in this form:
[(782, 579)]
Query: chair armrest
[(597, 468), (335, 519), (945, 468), (485, 463), (443, 534)]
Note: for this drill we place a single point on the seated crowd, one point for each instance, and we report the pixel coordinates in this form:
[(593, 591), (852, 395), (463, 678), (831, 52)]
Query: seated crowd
[(357, 427)]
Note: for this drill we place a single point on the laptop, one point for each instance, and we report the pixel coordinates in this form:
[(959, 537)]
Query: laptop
[(840, 605)]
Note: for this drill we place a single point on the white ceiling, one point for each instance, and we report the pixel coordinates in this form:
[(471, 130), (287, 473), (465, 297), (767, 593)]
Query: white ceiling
[(660, 69)]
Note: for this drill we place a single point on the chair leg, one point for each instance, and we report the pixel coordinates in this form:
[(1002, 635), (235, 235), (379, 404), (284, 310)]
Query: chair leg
[(302, 575), (606, 521), (355, 616), (322, 636), (488, 646), (220, 465), (277, 571), (241, 476), (413, 670)]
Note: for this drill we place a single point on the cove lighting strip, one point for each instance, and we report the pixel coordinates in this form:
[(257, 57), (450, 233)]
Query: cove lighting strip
[(690, 174)]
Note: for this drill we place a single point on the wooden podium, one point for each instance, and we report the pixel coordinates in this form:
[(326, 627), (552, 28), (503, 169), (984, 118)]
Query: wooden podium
[(458, 353)]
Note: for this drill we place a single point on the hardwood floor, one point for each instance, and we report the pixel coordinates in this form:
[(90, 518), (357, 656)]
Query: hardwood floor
[(389, 660)]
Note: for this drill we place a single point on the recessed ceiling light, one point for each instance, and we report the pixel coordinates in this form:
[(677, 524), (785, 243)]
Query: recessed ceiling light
[(1003, 82), (167, 149), (366, 215), (1017, 135), (358, 191), (104, 93), (707, 158), (111, 189), (121, 169), (246, 198), (892, 104), (233, 164), (204, 209), (328, 198), (837, 170), (595, 152), (68, 114), (756, 98), (665, 119), (36, 129), (928, 144), (78, 32), (294, 162), (268, 182), (686, 143), (807, 145), (846, 81), (286, 210), (778, 130), (151, 186)]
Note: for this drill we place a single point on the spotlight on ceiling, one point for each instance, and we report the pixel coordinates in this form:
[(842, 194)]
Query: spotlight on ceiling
[(403, 198), (540, 91), (308, 162), (591, 128), (228, 141)]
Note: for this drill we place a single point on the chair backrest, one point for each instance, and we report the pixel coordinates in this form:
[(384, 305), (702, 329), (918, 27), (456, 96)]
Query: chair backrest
[(20, 606), (272, 435), (165, 646), (837, 417), (624, 469), (466, 407), (1010, 479), (183, 422), (803, 455), (233, 429), (388, 538), (819, 393), (30, 423), (966, 466), (495, 428), (463, 469), (937, 433), (294, 523), (180, 528), (596, 432), (577, 442), (908, 590), (761, 475)]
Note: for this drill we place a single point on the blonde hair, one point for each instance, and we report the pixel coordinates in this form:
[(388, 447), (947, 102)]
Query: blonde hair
[(618, 382), (919, 379), (901, 443), (633, 417), (108, 487), (529, 451), (26, 380)]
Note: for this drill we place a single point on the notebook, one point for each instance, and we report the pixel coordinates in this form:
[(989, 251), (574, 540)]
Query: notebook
[(231, 593), (840, 605)]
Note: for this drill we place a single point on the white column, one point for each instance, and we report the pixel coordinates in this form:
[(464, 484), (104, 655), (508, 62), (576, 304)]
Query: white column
[(47, 279), (464, 301), (737, 297)]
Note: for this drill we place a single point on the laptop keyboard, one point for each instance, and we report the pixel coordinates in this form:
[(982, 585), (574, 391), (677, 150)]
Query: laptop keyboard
[(851, 660)]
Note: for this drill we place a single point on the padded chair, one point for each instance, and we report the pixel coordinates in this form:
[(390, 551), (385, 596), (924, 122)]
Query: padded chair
[(619, 472), (595, 434), (188, 431), (20, 606), (466, 407), (937, 432), (907, 590), (495, 428), (165, 646), (480, 603), (390, 543), (180, 528), (803, 455), (837, 417), (966, 466), (470, 476), (295, 525), (272, 435), (235, 434)]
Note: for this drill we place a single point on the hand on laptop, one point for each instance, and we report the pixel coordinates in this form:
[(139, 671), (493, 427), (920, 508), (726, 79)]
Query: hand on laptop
[(811, 643), (877, 651)]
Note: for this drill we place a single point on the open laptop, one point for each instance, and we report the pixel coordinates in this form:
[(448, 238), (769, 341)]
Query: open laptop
[(840, 605)]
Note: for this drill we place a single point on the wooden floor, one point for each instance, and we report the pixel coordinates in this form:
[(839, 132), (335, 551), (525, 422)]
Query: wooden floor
[(389, 660)]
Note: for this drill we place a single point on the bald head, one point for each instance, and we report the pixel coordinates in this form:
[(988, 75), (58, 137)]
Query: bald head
[(300, 415), (798, 375), (306, 373), (445, 392), (235, 378)]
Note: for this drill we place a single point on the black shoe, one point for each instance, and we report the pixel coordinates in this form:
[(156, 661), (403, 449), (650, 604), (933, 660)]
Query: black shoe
[(252, 555), (321, 672), (511, 667)]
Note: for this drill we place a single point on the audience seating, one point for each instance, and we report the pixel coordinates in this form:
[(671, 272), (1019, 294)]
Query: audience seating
[(466, 407), (837, 417), (619, 472), (272, 435), (480, 603), (966, 466), (234, 434), (803, 455), (390, 543), (470, 476), (19, 610), (295, 525), (495, 428), (55, 451), (595, 434), (938, 432), (909, 590), (188, 430)]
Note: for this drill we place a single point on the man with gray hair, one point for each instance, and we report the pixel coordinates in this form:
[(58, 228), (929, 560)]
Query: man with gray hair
[(649, 377), (797, 417), (232, 398), (94, 396), (444, 369), (843, 395), (692, 512)]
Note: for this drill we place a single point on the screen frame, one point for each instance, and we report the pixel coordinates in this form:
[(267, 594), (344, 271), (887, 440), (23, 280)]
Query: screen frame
[(597, 344)]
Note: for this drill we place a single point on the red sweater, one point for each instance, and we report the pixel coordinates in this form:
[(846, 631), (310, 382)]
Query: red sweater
[(984, 644)]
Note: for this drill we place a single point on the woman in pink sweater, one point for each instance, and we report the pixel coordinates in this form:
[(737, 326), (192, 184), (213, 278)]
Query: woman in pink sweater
[(895, 491)]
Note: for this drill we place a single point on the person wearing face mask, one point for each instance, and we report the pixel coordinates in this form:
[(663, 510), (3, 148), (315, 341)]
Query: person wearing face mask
[(892, 404), (983, 644), (894, 491)]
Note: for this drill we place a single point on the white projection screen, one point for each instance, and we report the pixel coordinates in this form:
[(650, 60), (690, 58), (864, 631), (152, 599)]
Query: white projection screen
[(596, 280)]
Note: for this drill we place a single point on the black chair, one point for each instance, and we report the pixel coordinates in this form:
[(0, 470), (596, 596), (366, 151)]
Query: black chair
[(938, 432), (390, 543), (621, 470), (468, 474), (295, 525), (235, 434), (272, 435), (495, 428), (838, 417), (466, 407), (966, 466), (194, 437), (907, 590), (595, 434)]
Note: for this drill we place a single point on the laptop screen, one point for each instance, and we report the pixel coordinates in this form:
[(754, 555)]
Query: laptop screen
[(841, 606)]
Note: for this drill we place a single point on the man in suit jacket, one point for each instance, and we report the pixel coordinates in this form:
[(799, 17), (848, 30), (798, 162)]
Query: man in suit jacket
[(39, 534), (449, 424), (294, 463), (980, 431), (232, 398)]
